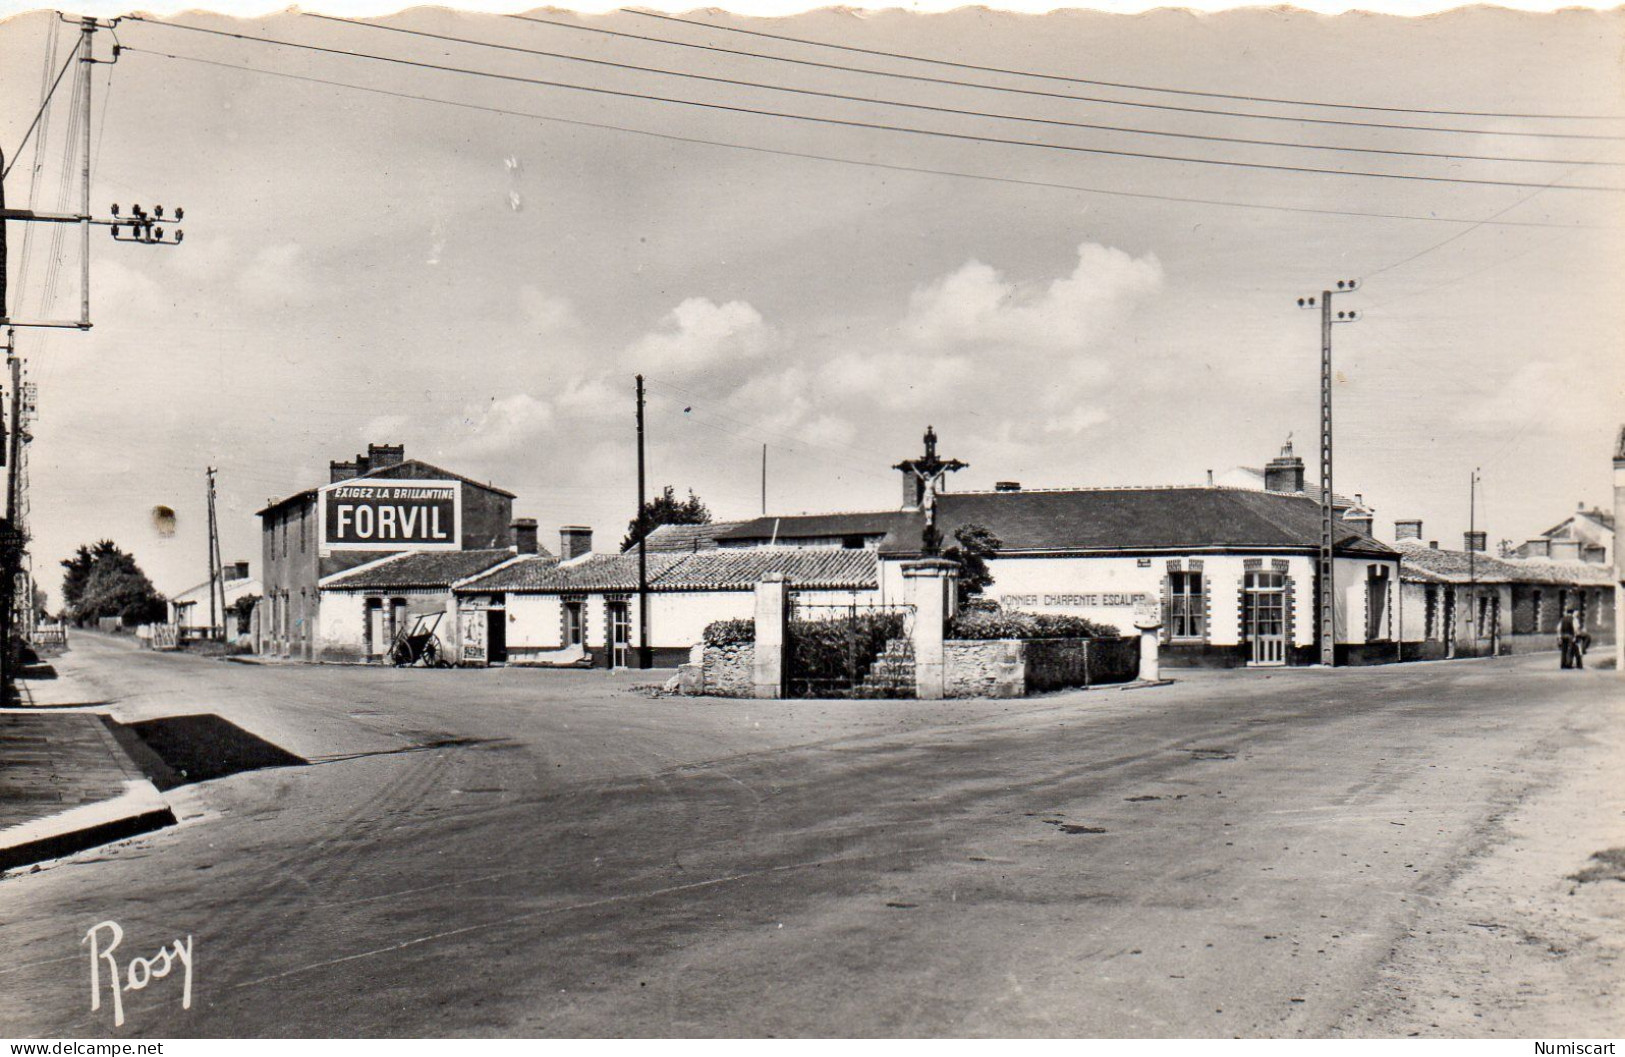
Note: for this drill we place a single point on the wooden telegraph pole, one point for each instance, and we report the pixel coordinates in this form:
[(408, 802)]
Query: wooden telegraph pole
[(644, 658)]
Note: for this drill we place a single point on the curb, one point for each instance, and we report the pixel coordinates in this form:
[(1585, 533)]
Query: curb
[(138, 809)]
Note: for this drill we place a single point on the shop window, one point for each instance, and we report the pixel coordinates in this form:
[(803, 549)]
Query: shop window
[(1430, 618), (1186, 608)]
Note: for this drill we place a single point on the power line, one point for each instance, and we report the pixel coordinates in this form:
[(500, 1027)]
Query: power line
[(884, 166), (880, 127), (72, 55), (957, 111), (1133, 87)]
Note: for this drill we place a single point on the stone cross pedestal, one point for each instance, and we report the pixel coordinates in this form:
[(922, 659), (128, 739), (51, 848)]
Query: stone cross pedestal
[(933, 590), (767, 676)]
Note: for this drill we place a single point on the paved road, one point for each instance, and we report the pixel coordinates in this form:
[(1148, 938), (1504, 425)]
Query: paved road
[(554, 853)]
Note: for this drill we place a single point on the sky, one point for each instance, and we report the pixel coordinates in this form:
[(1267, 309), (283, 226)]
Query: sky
[(482, 287)]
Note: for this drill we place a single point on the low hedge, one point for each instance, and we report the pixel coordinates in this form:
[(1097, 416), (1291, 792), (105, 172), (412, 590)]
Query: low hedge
[(730, 632), (1013, 624)]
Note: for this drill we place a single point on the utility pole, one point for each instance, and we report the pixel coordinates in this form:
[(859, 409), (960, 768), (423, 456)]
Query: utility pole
[(1326, 575), (14, 438), (644, 658), (216, 585), (141, 228), (764, 480), (1472, 555)]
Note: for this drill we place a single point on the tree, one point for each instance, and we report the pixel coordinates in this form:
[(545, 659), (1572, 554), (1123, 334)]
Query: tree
[(973, 546), (665, 509), (103, 581), (243, 610)]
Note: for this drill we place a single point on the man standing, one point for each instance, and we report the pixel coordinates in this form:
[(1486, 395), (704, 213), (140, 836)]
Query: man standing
[(1566, 633)]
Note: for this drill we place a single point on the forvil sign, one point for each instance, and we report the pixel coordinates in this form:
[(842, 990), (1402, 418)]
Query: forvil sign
[(390, 515), (104, 938)]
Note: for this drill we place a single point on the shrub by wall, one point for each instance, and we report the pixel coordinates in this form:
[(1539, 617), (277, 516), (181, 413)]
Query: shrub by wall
[(730, 632), (1015, 624)]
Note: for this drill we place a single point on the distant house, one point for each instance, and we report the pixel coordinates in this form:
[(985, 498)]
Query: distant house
[(1284, 474), (1464, 603), (1585, 536), (686, 538), (189, 609)]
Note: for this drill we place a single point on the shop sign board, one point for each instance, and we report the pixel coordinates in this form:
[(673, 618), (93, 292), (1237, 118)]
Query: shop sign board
[(390, 515)]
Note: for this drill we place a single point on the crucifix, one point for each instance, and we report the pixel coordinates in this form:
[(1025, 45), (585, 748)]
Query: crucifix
[(929, 472)]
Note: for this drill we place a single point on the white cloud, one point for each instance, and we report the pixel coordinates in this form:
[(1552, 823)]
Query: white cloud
[(977, 307), (699, 334), (502, 425)]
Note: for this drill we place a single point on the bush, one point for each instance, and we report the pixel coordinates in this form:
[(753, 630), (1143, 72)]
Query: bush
[(1013, 624), (730, 632), (837, 653)]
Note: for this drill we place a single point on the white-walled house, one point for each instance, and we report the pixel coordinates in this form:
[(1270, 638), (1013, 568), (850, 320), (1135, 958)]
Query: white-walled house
[(1231, 570), (364, 608), (584, 612), (189, 609)]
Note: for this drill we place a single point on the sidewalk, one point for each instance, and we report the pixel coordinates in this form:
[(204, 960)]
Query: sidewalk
[(65, 782)]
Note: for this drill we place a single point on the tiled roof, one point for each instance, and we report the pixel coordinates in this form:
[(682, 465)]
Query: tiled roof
[(828, 568), (1135, 519), (416, 469), (420, 569), (802, 526), (722, 569), (1423, 564), (687, 538)]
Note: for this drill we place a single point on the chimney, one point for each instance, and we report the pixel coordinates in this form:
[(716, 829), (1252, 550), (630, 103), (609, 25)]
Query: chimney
[(380, 456), (1475, 541), (1409, 529), (1433, 545), (1007, 486), (362, 464), (1284, 473), (524, 535), (574, 541), (341, 471), (1359, 515)]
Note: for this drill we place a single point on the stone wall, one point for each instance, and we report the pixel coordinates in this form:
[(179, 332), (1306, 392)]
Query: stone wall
[(725, 671), (1014, 667), (983, 668)]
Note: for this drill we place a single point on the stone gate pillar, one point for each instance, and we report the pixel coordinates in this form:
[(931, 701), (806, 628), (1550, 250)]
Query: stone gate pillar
[(932, 587), (768, 669)]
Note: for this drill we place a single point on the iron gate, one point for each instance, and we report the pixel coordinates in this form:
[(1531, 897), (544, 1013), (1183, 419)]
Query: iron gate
[(849, 649)]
